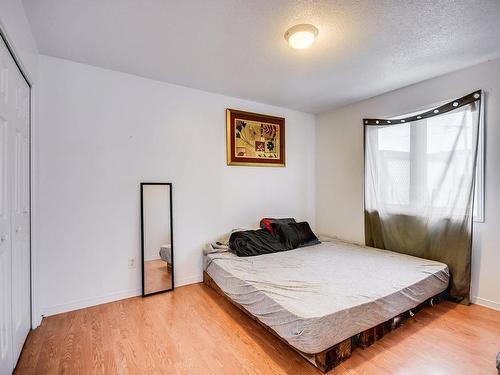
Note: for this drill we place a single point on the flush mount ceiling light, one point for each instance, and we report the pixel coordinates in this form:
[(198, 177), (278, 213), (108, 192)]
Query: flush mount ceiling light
[(301, 36)]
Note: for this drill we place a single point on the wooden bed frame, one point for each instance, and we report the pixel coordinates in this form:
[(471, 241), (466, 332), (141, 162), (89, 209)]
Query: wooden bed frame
[(333, 356)]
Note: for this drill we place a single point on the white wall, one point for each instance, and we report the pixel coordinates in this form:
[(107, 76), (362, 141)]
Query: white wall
[(156, 213), (339, 165), (103, 132)]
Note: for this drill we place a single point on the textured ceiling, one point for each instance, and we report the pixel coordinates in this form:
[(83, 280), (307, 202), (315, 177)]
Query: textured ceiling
[(237, 48)]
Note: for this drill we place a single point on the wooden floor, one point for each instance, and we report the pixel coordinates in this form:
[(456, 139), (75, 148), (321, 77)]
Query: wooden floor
[(158, 276), (192, 330)]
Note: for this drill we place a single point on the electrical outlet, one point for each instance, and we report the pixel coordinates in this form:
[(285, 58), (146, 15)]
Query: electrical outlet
[(131, 262)]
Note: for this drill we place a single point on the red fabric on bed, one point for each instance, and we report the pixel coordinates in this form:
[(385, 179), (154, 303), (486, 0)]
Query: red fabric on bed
[(266, 224)]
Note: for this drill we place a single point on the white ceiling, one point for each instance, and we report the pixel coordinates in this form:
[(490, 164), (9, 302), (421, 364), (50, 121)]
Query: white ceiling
[(236, 47)]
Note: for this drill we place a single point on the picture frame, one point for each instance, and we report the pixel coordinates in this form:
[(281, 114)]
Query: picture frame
[(254, 139)]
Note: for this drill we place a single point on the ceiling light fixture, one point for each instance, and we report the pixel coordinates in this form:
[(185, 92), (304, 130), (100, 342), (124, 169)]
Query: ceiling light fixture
[(301, 36)]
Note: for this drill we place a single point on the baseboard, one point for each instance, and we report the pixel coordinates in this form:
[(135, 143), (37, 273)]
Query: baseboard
[(154, 257), (88, 302), (189, 280), (486, 303), (36, 321)]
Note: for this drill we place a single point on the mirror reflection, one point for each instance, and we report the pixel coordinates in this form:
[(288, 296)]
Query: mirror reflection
[(156, 199)]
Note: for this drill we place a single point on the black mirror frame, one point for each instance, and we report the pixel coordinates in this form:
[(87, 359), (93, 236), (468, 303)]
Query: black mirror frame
[(142, 236)]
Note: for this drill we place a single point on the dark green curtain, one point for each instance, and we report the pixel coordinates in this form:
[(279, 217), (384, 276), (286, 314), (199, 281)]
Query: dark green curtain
[(447, 242)]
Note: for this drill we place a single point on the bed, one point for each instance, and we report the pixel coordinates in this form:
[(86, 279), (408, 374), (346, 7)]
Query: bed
[(324, 299), (166, 254)]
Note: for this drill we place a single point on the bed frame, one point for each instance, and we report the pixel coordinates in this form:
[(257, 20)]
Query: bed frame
[(333, 356)]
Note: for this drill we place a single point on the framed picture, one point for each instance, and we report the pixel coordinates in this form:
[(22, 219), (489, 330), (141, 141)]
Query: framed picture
[(254, 139)]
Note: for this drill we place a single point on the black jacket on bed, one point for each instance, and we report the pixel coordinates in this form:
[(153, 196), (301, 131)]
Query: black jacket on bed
[(255, 242)]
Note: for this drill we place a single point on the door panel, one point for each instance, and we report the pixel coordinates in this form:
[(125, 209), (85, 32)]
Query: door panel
[(4, 190), (4, 77), (6, 361), (20, 245), (25, 197), (21, 314)]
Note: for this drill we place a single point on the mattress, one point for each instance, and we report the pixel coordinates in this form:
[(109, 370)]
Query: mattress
[(166, 253), (318, 296)]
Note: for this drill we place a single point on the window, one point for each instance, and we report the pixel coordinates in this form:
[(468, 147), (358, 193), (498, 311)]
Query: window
[(420, 153)]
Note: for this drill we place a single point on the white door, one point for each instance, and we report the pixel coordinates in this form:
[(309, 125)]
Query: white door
[(14, 211), (20, 218), (6, 112)]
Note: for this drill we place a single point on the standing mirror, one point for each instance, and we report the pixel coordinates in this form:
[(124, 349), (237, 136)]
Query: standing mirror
[(156, 234)]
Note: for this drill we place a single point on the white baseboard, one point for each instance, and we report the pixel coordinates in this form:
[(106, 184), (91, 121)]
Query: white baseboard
[(188, 280), (88, 302), (486, 303), (36, 321), (154, 257)]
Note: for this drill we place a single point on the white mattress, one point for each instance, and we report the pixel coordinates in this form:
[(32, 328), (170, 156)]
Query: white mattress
[(318, 296), (166, 253)]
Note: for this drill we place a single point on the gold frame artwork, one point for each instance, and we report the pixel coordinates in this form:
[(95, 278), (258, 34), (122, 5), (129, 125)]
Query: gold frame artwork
[(260, 144)]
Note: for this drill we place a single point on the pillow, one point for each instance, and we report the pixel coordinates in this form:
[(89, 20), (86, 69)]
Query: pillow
[(267, 223), (294, 235)]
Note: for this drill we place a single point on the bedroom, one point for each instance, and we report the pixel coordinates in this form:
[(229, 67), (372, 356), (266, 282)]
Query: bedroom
[(120, 93)]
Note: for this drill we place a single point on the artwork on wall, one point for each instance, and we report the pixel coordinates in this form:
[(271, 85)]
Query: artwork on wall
[(254, 139)]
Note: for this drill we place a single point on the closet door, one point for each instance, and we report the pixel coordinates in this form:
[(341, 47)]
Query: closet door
[(6, 113), (19, 134), (15, 309)]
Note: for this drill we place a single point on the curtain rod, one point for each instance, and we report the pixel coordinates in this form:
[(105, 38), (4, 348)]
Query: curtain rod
[(454, 104)]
